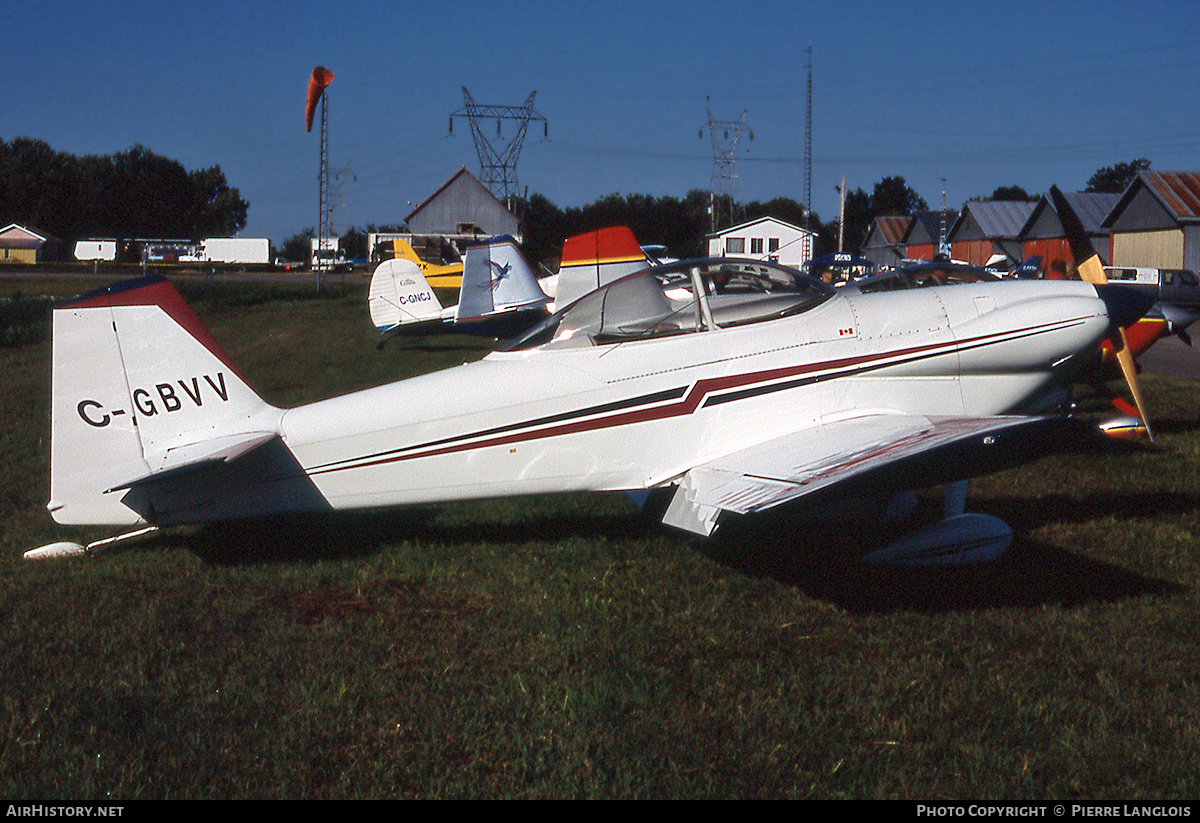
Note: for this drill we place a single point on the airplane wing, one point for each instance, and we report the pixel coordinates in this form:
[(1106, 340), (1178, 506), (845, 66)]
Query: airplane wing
[(869, 455)]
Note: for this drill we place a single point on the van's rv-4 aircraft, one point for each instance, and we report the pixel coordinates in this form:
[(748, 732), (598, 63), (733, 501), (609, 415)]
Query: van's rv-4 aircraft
[(735, 386)]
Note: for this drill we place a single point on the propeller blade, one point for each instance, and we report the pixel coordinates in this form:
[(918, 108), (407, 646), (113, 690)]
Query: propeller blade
[(1091, 270), (1129, 370), (1087, 261)]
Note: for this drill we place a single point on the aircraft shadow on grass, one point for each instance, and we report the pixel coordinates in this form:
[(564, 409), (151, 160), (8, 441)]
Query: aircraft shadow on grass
[(823, 559), (820, 558), (334, 535)]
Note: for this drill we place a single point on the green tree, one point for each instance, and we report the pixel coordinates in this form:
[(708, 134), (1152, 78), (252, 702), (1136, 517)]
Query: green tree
[(219, 208), (542, 230), (298, 247), (38, 185), (134, 193), (858, 213), (679, 224), (1011, 193), (892, 196), (1115, 179)]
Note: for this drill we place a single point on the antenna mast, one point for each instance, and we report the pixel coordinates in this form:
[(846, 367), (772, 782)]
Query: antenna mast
[(498, 157), (320, 80), (325, 219), (808, 148)]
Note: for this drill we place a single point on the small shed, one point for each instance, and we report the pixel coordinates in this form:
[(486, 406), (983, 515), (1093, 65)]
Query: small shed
[(884, 246), (27, 244), (925, 233), (1043, 231), (986, 229)]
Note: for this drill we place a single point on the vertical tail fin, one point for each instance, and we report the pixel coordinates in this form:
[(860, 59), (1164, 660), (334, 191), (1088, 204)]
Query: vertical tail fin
[(496, 279), (139, 389), (1030, 269), (400, 294), (590, 260), (403, 250)]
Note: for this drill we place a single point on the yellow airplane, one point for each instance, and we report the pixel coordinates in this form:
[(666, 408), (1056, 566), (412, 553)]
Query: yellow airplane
[(438, 276)]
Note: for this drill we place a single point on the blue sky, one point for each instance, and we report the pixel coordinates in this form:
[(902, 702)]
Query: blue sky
[(955, 97)]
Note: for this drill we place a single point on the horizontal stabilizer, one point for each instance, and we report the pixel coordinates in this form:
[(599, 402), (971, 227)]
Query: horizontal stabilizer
[(180, 459)]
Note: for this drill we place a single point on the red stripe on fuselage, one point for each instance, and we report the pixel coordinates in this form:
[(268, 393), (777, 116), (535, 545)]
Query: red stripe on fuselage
[(694, 397)]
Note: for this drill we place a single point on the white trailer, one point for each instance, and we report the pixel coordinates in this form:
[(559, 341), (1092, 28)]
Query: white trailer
[(96, 250), (241, 250)]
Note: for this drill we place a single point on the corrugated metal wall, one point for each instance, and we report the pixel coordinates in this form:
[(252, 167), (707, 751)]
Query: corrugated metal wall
[(463, 201), (1156, 249)]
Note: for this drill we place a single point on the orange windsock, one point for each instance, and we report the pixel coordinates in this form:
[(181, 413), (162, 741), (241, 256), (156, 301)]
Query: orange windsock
[(321, 77)]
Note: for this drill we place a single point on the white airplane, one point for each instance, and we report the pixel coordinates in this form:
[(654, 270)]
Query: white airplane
[(734, 386), (497, 287)]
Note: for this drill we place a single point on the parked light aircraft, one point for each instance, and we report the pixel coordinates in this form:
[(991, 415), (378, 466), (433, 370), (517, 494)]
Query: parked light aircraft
[(1162, 319), (499, 291), (439, 276), (400, 296), (736, 387)]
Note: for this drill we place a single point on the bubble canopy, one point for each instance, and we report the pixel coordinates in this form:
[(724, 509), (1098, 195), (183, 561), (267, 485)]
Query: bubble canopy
[(684, 297)]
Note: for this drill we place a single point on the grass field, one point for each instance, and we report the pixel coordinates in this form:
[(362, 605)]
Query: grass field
[(564, 647)]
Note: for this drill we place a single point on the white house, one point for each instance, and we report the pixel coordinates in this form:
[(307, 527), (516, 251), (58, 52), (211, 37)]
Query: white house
[(766, 238)]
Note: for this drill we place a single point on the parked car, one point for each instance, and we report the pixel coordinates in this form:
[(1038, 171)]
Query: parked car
[(1179, 287)]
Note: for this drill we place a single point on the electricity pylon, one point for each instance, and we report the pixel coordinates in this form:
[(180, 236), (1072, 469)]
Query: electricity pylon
[(725, 136), (498, 156)]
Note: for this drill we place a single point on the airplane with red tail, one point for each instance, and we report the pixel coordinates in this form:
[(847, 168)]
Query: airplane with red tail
[(733, 387)]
